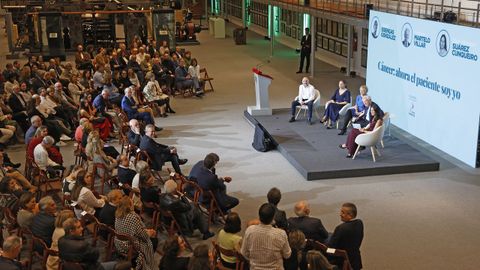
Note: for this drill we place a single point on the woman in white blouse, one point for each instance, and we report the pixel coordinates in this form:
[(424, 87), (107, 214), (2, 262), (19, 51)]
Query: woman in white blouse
[(194, 71), (85, 199), (153, 93)]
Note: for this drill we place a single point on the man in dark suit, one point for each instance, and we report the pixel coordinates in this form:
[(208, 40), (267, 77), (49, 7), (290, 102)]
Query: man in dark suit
[(274, 196), (349, 235), (125, 174), (160, 153), (73, 247), (188, 216), (204, 174), (310, 226), (135, 134), (43, 223), (305, 50), (131, 109), (18, 105), (364, 119), (107, 213)]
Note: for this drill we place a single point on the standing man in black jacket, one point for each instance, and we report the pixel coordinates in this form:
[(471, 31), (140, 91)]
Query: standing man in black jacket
[(306, 49), (274, 196), (349, 235)]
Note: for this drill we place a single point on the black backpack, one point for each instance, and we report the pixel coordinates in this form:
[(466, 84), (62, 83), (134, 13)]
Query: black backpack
[(261, 140)]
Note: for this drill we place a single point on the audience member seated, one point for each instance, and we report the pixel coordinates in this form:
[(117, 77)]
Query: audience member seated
[(53, 261), (10, 186), (101, 103), (69, 181), (306, 96), (194, 71), (229, 239), (113, 93), (340, 98), (98, 78), (56, 124), (160, 153), (43, 223), (130, 108), (107, 213), (153, 93), (200, 259), (184, 80), (349, 235), (95, 152), (135, 134), (28, 209), (310, 226), (124, 173), (263, 245), (204, 174), (18, 103), (82, 59), (76, 89), (316, 261), (12, 246), (376, 120), (356, 111), (280, 220), (297, 260), (148, 192), (84, 197), (74, 247), (187, 215), (9, 170), (79, 130), (53, 152), (101, 123), (130, 223), (41, 158), (141, 167), (172, 249)]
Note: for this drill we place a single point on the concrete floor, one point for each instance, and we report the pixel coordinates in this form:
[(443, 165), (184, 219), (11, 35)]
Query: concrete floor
[(412, 221)]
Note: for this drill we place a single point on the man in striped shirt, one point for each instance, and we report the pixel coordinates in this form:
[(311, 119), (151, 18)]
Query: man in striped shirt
[(263, 245)]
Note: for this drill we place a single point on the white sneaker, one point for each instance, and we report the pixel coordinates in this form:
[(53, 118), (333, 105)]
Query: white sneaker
[(65, 138), (60, 143)]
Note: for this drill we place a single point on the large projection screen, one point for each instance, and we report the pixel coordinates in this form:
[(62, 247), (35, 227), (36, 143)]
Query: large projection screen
[(427, 75)]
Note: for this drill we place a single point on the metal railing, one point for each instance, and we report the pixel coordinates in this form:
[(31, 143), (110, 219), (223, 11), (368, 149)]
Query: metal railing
[(423, 9)]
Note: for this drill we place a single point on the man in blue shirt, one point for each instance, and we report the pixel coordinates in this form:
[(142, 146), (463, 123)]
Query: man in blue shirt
[(131, 109)]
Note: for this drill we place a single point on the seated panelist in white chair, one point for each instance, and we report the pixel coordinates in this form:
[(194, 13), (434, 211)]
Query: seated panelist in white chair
[(306, 96)]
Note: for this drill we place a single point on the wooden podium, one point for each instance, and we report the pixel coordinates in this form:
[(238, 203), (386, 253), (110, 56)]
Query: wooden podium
[(262, 82)]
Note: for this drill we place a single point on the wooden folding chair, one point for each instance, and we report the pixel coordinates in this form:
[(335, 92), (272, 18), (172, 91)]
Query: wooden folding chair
[(44, 255), (44, 183), (105, 177), (218, 250), (143, 155), (126, 238), (330, 252), (98, 230), (206, 79), (172, 228), (79, 153), (212, 208)]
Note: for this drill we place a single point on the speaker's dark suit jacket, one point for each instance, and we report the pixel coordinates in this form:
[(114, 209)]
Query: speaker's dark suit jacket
[(310, 226)]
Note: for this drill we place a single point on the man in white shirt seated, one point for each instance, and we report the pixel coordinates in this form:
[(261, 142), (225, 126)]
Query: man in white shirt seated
[(40, 155), (306, 96)]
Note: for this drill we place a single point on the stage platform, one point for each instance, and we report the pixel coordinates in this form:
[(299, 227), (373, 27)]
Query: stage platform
[(314, 152)]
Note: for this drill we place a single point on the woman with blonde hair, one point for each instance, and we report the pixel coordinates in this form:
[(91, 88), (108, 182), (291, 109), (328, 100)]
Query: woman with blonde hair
[(53, 261), (95, 152), (128, 222)]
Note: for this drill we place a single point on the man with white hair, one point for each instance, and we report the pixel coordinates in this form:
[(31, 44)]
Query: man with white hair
[(306, 96), (160, 153), (133, 112), (135, 133), (43, 223), (188, 216), (36, 122), (310, 226), (12, 246), (40, 155), (101, 103)]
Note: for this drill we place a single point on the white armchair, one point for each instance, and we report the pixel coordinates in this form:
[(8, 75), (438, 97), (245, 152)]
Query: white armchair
[(316, 106), (385, 125), (370, 139)]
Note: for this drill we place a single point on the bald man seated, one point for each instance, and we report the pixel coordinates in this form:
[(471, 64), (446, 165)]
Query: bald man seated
[(310, 226), (306, 96)]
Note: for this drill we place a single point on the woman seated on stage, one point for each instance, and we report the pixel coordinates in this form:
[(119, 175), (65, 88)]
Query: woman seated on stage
[(340, 98), (375, 121), (87, 110)]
